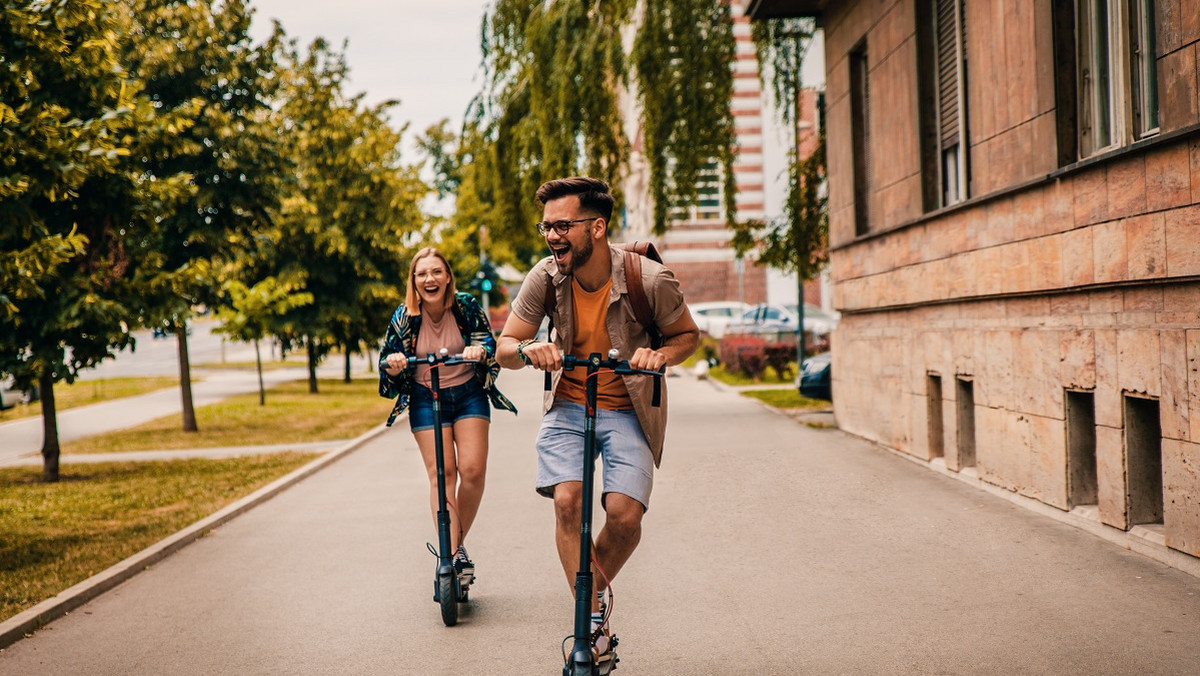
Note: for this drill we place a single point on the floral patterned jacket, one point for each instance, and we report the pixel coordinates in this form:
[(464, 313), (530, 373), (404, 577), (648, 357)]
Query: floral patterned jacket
[(402, 334)]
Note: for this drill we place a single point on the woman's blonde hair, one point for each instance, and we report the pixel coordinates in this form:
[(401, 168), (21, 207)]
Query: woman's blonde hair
[(412, 300)]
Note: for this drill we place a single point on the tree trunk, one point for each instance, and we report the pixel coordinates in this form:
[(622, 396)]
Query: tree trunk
[(50, 447), (262, 393), (312, 368), (185, 379), (800, 345), (346, 378)]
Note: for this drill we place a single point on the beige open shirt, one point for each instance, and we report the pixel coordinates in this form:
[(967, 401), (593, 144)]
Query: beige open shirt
[(666, 304)]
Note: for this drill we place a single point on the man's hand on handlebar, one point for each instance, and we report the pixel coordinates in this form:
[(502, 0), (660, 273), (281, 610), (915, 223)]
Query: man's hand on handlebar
[(647, 359), (543, 356)]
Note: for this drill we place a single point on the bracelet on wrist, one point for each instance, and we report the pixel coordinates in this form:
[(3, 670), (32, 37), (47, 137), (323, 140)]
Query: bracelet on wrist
[(521, 349)]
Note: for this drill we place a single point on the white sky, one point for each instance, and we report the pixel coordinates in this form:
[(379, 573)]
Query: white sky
[(424, 54)]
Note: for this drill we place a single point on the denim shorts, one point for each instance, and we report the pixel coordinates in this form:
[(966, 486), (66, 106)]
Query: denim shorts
[(467, 400), (624, 453)]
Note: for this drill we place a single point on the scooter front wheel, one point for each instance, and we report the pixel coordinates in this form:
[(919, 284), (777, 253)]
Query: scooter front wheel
[(579, 667), (448, 597)]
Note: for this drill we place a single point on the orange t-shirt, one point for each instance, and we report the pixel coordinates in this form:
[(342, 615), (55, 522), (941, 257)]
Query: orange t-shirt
[(591, 335)]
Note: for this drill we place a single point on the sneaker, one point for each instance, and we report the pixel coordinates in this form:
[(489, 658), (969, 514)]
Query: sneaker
[(604, 645), (462, 562)]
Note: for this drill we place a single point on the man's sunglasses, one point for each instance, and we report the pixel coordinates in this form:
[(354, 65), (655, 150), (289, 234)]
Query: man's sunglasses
[(560, 228)]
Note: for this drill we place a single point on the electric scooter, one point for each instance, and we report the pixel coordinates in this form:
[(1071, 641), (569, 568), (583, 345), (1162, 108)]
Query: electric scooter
[(449, 587), (580, 661)]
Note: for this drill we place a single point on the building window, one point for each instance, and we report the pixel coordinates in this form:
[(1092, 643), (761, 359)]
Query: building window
[(860, 123), (1142, 68), (1116, 79), (708, 203), (949, 32)]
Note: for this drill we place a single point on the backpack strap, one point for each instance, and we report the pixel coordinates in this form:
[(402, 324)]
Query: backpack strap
[(549, 304), (637, 297)]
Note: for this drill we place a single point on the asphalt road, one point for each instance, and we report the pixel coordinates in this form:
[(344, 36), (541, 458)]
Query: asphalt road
[(769, 548)]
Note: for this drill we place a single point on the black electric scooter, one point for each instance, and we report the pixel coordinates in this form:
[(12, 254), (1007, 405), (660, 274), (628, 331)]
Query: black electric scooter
[(580, 661), (449, 588)]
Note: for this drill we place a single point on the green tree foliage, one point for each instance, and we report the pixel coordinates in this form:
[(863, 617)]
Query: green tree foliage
[(558, 79), (67, 113), (253, 313), (684, 53), (555, 72), (346, 221), (212, 88)]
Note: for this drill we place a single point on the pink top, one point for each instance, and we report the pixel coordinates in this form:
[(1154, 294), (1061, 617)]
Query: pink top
[(432, 338)]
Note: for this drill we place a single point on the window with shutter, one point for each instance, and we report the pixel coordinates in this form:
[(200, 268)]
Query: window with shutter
[(949, 34), (860, 122)]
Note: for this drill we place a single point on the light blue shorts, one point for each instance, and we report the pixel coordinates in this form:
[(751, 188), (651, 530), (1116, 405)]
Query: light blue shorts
[(628, 464)]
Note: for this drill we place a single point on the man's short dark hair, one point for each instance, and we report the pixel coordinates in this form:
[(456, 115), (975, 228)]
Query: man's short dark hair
[(593, 193)]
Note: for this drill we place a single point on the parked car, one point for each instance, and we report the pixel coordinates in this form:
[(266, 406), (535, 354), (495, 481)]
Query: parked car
[(769, 318), (711, 317), (815, 377), (817, 321)]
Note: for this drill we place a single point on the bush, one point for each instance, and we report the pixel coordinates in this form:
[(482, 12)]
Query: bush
[(781, 356), (744, 354), (751, 355)]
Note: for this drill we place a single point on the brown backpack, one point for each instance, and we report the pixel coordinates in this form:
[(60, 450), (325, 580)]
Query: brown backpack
[(633, 282)]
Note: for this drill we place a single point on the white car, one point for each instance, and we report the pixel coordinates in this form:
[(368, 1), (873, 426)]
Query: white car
[(767, 318), (713, 317)]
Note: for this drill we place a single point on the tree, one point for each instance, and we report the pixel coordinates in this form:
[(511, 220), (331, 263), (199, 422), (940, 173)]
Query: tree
[(252, 313), (555, 102), (200, 69), (73, 233), (348, 218), (684, 53), (800, 242)]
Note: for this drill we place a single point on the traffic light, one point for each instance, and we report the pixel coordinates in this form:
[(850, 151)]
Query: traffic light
[(485, 279)]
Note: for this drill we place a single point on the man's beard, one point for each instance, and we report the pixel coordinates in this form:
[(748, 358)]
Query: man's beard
[(579, 256)]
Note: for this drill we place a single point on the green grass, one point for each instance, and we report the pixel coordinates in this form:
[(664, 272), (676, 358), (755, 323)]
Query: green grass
[(769, 377), (84, 392), (54, 535), (291, 415), (251, 366), (786, 398)]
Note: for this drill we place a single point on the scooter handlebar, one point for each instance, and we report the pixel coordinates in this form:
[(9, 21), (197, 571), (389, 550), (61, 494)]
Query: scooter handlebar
[(443, 357), (618, 366)]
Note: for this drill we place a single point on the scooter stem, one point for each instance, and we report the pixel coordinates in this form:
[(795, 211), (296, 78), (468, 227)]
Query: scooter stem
[(443, 515), (583, 578)]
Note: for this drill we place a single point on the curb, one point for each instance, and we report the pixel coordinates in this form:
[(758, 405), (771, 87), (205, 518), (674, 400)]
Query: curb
[(26, 622)]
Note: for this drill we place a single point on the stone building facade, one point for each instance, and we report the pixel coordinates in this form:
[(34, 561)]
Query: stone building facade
[(1015, 245)]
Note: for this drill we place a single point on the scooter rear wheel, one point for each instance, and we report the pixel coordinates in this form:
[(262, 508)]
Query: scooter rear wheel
[(448, 598)]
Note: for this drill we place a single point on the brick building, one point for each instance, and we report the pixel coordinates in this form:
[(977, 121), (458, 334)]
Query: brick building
[(1015, 247)]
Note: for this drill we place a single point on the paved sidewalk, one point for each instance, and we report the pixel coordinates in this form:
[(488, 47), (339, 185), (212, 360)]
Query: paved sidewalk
[(770, 548), (21, 440)]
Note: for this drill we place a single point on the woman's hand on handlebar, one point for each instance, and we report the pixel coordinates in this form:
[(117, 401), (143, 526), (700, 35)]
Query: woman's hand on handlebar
[(473, 353), (543, 356), (395, 363), (647, 359)]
